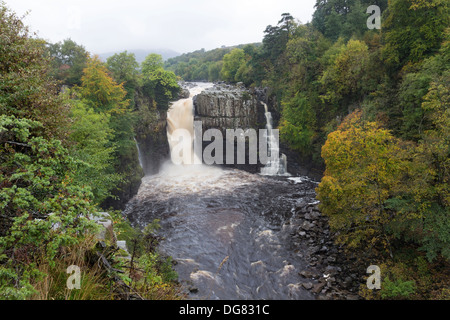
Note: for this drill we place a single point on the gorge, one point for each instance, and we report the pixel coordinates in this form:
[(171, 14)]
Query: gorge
[(234, 233)]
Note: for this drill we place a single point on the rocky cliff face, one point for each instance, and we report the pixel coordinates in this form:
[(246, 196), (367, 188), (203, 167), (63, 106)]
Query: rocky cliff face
[(151, 135), (228, 107), (154, 146)]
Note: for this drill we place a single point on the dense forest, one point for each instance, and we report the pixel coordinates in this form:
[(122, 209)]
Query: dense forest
[(369, 106), (204, 65)]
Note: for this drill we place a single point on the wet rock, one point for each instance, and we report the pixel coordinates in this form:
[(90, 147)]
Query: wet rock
[(106, 232), (307, 225), (193, 290), (324, 249), (184, 93), (331, 280), (332, 270), (347, 282), (226, 107), (306, 274), (313, 250), (307, 285), (317, 288)]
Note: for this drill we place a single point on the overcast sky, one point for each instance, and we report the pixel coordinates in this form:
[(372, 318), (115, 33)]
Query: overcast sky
[(182, 25)]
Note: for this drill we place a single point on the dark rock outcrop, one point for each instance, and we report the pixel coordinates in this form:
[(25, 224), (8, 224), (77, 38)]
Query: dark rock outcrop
[(151, 135), (228, 107), (225, 107), (153, 145)]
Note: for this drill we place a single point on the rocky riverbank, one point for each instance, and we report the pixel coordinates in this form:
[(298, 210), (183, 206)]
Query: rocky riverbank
[(332, 272)]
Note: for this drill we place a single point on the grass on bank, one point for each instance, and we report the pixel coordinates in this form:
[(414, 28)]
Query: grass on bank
[(143, 274)]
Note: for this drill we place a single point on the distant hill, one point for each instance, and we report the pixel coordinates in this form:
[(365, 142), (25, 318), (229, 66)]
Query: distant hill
[(202, 65), (141, 54), (210, 55)]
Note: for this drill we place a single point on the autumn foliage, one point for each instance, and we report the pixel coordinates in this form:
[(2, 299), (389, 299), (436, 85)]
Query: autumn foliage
[(365, 165)]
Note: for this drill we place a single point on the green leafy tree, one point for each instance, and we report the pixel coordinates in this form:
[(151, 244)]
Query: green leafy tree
[(344, 78), (68, 61), (431, 173), (101, 93), (297, 125), (26, 88), (303, 54), (152, 63), (413, 30), (276, 37), (231, 63), (159, 84), (42, 209), (92, 136), (125, 69), (343, 18), (214, 69), (413, 89)]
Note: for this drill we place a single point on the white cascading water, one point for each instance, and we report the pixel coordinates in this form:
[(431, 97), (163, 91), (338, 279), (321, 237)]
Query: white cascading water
[(141, 162), (181, 116), (276, 166)]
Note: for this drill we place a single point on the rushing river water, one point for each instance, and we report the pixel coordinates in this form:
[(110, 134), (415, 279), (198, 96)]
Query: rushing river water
[(228, 230)]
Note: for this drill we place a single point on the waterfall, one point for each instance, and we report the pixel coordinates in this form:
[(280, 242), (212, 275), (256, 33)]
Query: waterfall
[(276, 166), (141, 163), (180, 126)]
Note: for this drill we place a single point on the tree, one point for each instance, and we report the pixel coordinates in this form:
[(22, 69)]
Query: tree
[(231, 63), (343, 18), (42, 208), (124, 70), (413, 30), (214, 69), (297, 125), (91, 135), (344, 79), (413, 89), (159, 84), (69, 60), (100, 91), (152, 63), (303, 54), (365, 166), (431, 173), (276, 37), (26, 89)]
